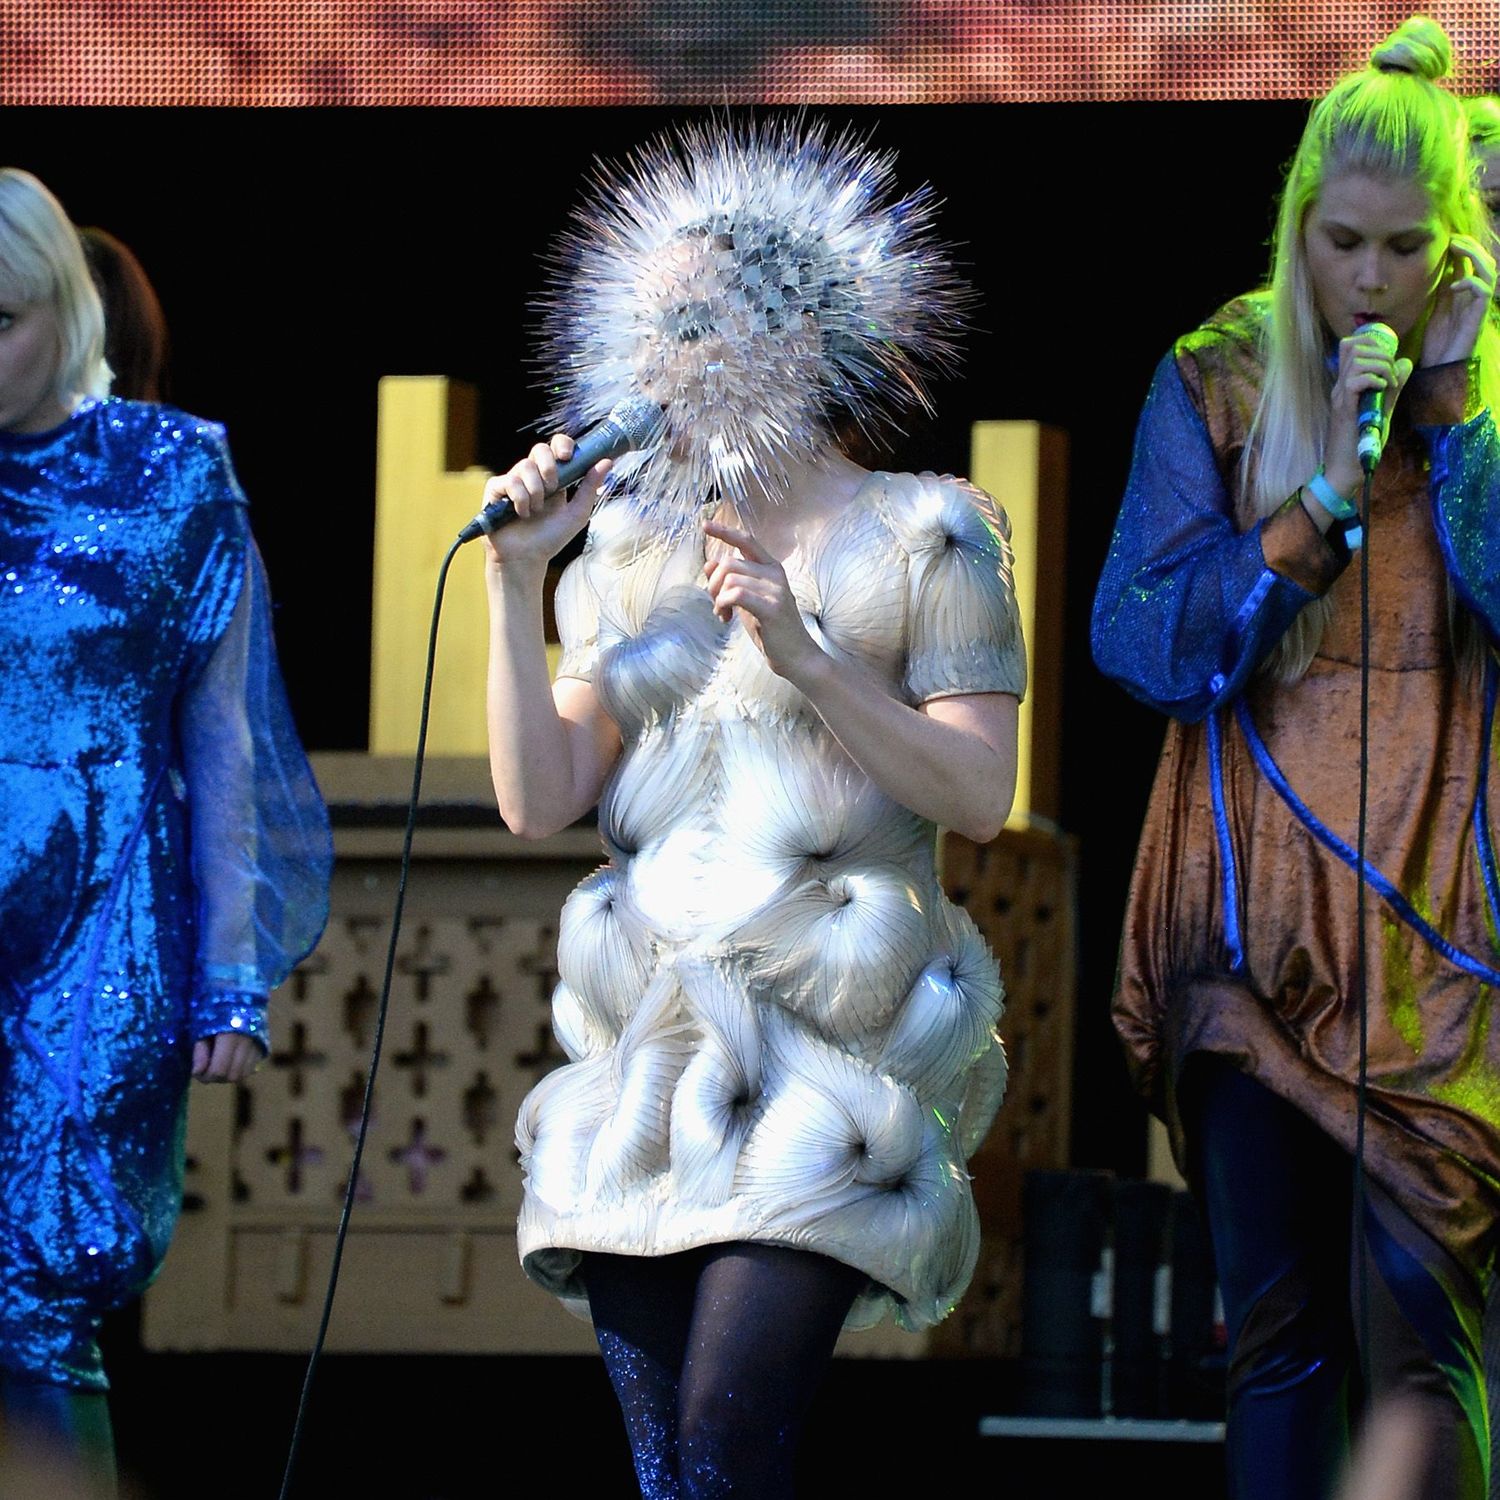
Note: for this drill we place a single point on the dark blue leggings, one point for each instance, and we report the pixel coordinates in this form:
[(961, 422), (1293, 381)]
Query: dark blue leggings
[(715, 1355), (1278, 1195)]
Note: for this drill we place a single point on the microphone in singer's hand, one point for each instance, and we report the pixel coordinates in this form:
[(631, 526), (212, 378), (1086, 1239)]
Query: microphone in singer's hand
[(1372, 403), (630, 424)]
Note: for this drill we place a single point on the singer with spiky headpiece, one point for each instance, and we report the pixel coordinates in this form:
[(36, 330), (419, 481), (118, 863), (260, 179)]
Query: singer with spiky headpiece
[(780, 673)]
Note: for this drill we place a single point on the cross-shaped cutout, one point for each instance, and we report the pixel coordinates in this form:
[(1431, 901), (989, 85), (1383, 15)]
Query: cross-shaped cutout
[(481, 1009), (481, 1108), (295, 1154), (419, 1057), (297, 1057), (359, 1010), (424, 964), (418, 1157)]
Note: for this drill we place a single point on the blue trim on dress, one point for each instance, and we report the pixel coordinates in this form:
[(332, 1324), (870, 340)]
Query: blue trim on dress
[(1253, 601), (1233, 934), (1382, 886)]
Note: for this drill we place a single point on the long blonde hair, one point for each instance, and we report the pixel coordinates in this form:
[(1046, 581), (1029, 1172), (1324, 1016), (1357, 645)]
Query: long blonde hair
[(1389, 120)]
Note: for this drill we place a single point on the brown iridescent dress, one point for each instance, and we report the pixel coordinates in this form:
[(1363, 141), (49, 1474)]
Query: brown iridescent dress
[(1240, 932)]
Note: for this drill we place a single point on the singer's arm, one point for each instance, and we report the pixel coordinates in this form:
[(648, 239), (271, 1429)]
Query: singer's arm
[(951, 759), (1465, 451), (551, 748), (1188, 605), (1449, 413)]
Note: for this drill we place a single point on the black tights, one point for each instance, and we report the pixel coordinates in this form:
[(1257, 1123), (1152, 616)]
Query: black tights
[(715, 1355), (55, 1441)]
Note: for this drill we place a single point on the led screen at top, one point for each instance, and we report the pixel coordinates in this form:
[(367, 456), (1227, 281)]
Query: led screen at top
[(558, 52)]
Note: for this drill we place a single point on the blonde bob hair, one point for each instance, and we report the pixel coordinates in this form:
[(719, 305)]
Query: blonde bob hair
[(42, 262), (1390, 120)]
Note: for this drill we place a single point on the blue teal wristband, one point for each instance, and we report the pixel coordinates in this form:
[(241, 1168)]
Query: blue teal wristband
[(1330, 499)]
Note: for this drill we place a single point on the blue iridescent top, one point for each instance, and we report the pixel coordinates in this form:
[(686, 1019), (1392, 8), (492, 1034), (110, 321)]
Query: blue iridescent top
[(167, 851)]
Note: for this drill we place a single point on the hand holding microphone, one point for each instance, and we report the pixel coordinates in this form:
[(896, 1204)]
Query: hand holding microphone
[(1370, 378), (1373, 417), (552, 467)]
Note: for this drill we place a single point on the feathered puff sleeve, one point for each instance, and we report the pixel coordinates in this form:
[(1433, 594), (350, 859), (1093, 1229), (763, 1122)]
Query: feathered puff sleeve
[(964, 627), (261, 849)]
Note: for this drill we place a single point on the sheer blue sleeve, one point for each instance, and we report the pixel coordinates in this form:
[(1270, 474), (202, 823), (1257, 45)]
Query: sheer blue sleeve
[(1187, 606), (261, 848), (1466, 498)]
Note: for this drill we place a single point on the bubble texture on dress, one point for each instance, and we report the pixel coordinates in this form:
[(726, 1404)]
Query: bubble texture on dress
[(167, 853), (780, 1029)]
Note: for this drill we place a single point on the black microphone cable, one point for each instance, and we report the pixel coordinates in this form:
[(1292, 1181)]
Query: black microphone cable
[(631, 424), (1361, 974), (380, 1018)]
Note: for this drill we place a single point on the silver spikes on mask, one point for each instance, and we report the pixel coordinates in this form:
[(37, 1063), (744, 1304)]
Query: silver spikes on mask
[(757, 282)]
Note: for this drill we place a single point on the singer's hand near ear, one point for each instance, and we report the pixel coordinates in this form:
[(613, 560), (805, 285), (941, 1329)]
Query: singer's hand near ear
[(548, 518), (1461, 304)]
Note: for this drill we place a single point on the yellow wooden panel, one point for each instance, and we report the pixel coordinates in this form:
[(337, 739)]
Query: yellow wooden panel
[(421, 501), (1005, 460)]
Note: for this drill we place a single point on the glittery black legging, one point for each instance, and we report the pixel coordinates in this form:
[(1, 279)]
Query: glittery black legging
[(1278, 1195), (715, 1355)]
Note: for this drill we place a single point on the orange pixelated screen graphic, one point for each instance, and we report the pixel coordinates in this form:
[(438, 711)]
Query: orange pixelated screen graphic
[(560, 52)]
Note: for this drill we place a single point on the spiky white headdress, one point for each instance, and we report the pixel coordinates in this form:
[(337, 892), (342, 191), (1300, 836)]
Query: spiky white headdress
[(754, 280)]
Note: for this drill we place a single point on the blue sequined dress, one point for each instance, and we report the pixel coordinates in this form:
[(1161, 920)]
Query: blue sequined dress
[(166, 849)]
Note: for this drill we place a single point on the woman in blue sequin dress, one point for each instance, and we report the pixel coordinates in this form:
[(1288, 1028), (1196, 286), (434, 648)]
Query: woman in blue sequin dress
[(166, 849)]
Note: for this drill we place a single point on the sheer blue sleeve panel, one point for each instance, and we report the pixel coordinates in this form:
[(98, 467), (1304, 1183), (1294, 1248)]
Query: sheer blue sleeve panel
[(261, 848), (1187, 606), (1466, 511)]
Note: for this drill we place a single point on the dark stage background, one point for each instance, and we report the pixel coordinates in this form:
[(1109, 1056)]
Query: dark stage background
[(302, 254)]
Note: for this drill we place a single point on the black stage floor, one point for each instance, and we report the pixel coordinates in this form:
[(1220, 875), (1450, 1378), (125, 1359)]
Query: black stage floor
[(420, 1427)]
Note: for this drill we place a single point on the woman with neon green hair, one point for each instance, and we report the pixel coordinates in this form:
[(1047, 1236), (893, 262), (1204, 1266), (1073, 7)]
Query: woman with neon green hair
[(1231, 601)]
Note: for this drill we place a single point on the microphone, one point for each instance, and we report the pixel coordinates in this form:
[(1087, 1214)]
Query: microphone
[(629, 425), (1372, 403)]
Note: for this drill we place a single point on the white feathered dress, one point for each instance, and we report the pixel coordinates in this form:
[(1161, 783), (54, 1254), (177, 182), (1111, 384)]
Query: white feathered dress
[(780, 1029)]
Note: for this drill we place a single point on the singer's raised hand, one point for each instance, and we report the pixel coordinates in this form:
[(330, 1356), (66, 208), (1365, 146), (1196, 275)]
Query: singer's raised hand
[(750, 580), (1461, 303), (1366, 363), (548, 518)]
